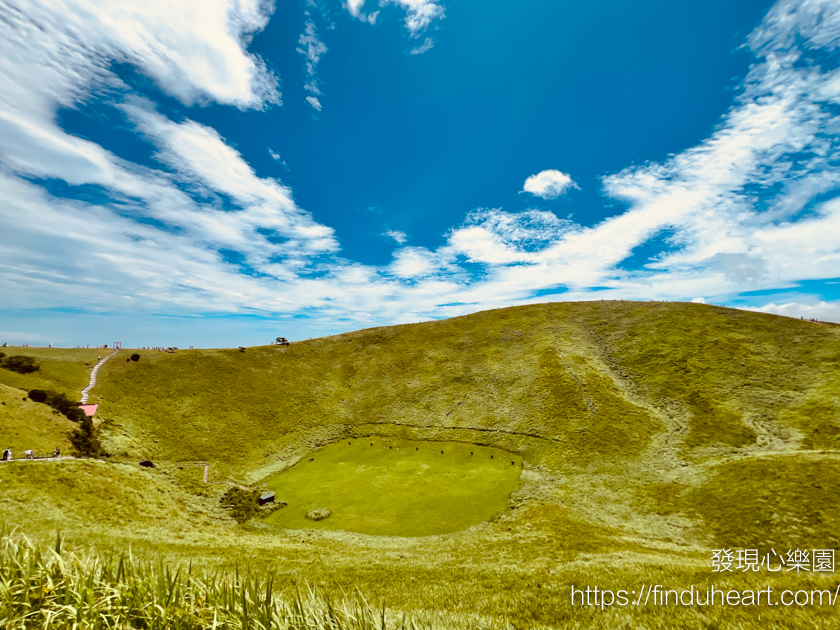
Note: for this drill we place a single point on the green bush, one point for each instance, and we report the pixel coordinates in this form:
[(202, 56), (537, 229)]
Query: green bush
[(60, 402), (85, 440), (243, 504), (135, 357), (38, 395), (20, 364), (65, 406)]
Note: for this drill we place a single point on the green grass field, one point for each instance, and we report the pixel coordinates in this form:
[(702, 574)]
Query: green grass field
[(396, 487), (645, 435)]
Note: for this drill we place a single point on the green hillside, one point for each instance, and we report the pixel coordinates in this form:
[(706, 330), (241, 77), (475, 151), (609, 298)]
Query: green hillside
[(649, 434), (28, 425), (587, 387), (64, 370)]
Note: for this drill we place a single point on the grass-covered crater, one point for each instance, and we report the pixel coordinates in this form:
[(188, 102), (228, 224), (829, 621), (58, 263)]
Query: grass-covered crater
[(396, 487), (651, 434)]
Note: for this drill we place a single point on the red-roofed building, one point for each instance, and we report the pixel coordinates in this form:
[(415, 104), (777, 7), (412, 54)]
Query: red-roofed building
[(90, 410)]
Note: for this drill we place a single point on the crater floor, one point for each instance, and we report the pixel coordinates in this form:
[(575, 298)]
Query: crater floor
[(396, 487)]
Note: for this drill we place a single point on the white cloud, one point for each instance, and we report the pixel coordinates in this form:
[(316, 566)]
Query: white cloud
[(699, 300), (548, 184), (354, 7), (399, 237), (277, 158), (424, 47), (778, 138), (419, 13), (312, 49), (413, 262), (497, 237), (316, 104), (194, 50), (805, 308), (207, 234)]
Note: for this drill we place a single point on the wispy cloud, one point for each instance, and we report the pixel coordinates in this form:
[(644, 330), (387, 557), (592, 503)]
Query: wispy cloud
[(312, 50), (168, 238), (399, 237), (419, 16), (316, 104), (205, 233), (424, 47), (419, 13), (277, 158), (69, 47)]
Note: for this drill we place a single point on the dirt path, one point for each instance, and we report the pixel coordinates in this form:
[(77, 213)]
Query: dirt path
[(38, 459)]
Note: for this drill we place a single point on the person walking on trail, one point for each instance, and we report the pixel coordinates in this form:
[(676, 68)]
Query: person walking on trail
[(28, 454), (56, 452), (7, 455)]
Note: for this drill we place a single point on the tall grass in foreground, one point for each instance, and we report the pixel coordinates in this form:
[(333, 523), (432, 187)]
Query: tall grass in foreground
[(52, 589)]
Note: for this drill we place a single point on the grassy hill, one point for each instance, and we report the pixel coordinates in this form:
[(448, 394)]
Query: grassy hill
[(650, 434), (65, 370), (25, 424)]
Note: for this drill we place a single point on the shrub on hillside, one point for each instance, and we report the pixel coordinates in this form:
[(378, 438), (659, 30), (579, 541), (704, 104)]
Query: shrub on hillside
[(20, 364), (85, 440), (135, 357), (60, 402), (243, 504), (65, 406), (38, 395)]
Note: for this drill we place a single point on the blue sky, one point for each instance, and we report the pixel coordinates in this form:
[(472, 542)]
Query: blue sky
[(218, 173)]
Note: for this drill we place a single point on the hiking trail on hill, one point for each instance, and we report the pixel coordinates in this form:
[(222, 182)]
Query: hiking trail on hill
[(92, 384)]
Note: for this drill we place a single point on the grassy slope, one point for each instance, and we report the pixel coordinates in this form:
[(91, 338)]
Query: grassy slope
[(25, 424), (509, 378), (650, 433), (65, 370)]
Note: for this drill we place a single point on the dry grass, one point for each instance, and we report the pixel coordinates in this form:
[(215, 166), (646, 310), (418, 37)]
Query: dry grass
[(49, 588)]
